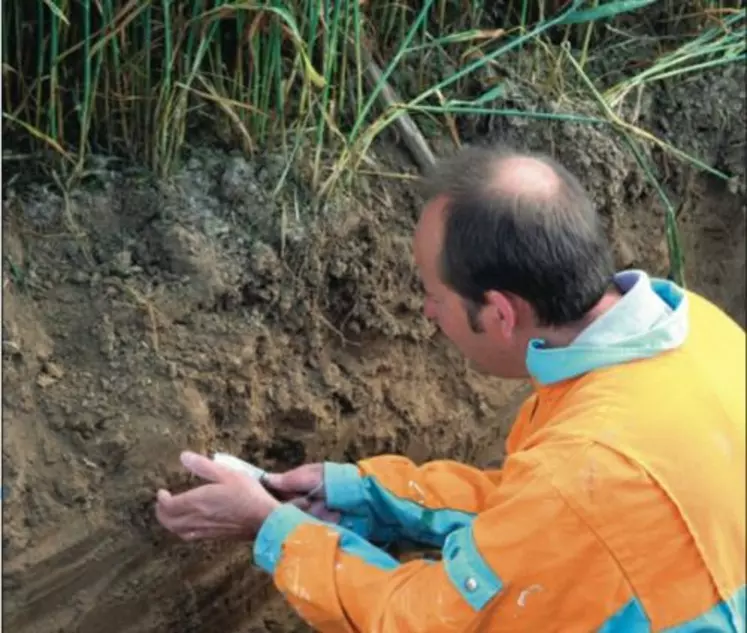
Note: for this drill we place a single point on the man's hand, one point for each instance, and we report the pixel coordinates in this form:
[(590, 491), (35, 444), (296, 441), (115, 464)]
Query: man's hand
[(304, 488), (233, 506)]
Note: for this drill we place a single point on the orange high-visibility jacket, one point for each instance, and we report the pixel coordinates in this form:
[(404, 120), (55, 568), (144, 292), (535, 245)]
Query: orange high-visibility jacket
[(620, 507)]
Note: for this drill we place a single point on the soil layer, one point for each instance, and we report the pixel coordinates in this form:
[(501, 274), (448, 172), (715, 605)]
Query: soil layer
[(141, 318)]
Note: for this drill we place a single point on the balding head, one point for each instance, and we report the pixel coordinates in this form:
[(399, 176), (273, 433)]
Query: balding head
[(520, 223), (522, 177)]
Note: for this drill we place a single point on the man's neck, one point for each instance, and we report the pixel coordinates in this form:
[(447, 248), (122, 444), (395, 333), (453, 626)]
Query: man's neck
[(564, 336)]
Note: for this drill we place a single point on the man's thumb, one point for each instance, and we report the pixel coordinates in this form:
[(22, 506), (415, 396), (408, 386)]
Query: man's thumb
[(299, 481), (280, 487)]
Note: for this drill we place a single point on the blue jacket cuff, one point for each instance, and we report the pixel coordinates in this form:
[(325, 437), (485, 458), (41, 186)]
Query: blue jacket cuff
[(361, 525), (277, 527), (343, 486)]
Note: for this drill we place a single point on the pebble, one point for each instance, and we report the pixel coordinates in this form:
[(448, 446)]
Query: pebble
[(45, 380), (11, 348), (122, 263), (237, 388), (79, 277), (237, 174), (53, 370)]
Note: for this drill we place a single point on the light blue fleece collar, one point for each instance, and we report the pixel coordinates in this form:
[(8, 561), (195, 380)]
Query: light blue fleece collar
[(650, 318)]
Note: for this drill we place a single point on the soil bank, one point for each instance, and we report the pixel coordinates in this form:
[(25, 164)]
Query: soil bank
[(141, 318)]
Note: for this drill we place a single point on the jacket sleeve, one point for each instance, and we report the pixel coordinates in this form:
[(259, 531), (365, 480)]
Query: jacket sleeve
[(388, 498), (515, 567)]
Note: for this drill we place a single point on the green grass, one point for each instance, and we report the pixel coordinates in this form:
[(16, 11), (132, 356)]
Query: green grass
[(136, 78)]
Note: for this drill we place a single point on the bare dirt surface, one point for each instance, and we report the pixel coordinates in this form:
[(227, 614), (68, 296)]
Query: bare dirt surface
[(142, 318)]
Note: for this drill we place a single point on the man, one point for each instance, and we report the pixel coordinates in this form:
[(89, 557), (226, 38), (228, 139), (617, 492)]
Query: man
[(620, 507)]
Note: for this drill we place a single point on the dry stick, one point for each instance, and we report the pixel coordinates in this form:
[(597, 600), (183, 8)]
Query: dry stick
[(414, 140)]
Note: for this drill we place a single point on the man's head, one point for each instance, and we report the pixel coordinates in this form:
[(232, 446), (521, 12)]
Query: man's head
[(509, 248)]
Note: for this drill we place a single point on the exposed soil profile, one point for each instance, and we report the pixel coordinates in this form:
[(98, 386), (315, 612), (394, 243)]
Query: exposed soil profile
[(141, 318)]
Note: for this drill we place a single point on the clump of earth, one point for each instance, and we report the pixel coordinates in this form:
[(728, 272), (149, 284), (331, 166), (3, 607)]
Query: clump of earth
[(220, 311)]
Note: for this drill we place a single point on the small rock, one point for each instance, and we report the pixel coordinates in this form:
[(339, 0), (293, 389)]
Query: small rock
[(235, 178), (79, 277), (53, 370), (45, 380), (11, 348), (122, 262), (237, 388), (172, 369), (625, 252)]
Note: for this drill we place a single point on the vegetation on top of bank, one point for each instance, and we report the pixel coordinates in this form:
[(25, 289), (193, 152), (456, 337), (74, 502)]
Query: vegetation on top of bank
[(139, 79)]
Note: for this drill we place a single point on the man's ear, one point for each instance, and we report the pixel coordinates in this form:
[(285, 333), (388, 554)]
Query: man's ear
[(500, 314)]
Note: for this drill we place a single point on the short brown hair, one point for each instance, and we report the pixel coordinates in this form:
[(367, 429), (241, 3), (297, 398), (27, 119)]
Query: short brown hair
[(552, 251)]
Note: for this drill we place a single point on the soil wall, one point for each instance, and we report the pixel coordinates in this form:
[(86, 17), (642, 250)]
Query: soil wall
[(141, 318)]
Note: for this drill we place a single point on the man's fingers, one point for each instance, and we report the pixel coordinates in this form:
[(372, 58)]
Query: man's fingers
[(302, 503), (184, 504), (164, 505), (278, 482), (204, 467), (164, 512), (183, 524), (199, 535), (316, 508), (320, 510), (300, 480), (164, 497)]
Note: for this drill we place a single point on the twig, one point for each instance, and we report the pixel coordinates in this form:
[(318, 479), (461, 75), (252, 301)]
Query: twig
[(414, 140)]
